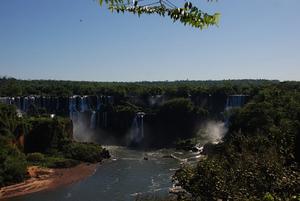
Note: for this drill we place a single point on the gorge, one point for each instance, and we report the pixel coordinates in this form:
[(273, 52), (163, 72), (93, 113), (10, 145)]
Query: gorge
[(156, 139), (93, 116)]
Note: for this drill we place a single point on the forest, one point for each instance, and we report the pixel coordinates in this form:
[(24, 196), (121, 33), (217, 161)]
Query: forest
[(14, 87)]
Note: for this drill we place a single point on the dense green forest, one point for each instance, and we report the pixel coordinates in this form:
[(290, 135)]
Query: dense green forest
[(14, 87), (258, 158)]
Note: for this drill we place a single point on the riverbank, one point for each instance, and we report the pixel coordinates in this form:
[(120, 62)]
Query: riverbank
[(46, 178)]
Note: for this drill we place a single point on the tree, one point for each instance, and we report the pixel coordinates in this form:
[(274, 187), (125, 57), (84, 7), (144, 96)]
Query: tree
[(188, 14)]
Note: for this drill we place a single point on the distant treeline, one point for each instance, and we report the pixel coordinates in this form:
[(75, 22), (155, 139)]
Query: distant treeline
[(15, 87)]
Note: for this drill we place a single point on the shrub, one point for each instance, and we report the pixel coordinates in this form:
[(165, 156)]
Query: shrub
[(35, 157), (13, 166), (59, 162), (268, 197), (86, 152)]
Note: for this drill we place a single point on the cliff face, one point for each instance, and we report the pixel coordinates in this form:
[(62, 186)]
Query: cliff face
[(104, 117)]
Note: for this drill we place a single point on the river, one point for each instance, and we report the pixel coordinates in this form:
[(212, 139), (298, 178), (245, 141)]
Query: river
[(121, 178)]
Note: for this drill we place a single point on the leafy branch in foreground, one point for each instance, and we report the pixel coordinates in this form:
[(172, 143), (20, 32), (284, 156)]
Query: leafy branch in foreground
[(188, 14)]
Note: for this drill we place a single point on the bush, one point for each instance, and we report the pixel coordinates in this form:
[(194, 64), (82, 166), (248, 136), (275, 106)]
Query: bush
[(86, 152), (268, 197), (13, 166), (35, 157), (59, 162), (50, 161)]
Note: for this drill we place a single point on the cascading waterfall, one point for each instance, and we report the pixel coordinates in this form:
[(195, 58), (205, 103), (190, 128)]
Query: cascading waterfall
[(88, 109), (21, 103), (31, 101), (5, 100), (78, 108), (235, 101), (99, 103), (73, 109), (57, 104), (25, 103), (18, 102), (84, 104), (102, 114), (87, 114), (137, 129), (98, 108), (93, 120)]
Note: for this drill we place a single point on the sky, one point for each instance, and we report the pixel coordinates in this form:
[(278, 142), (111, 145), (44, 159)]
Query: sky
[(79, 40)]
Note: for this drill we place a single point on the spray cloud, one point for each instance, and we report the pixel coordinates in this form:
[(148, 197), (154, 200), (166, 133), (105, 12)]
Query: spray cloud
[(212, 132)]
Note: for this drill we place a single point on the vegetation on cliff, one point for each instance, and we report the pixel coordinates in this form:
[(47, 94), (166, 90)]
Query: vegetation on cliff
[(39, 141), (259, 158)]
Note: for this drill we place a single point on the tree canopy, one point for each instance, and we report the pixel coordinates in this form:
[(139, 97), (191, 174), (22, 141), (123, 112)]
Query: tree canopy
[(187, 13)]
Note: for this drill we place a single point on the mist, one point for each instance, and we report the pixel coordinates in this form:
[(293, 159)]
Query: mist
[(212, 132), (83, 134)]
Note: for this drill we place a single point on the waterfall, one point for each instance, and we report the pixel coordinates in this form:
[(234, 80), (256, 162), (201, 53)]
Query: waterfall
[(99, 102), (84, 104), (102, 114), (5, 100), (31, 101), (76, 109), (56, 104), (81, 104), (25, 103), (93, 120), (134, 129), (18, 102), (142, 125), (235, 101), (22, 103), (73, 109), (137, 129), (84, 114), (98, 112)]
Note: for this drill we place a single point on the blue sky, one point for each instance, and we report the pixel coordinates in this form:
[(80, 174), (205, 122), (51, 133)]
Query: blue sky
[(44, 39)]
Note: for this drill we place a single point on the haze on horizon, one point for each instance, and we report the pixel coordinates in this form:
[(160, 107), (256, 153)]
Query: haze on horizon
[(78, 40)]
